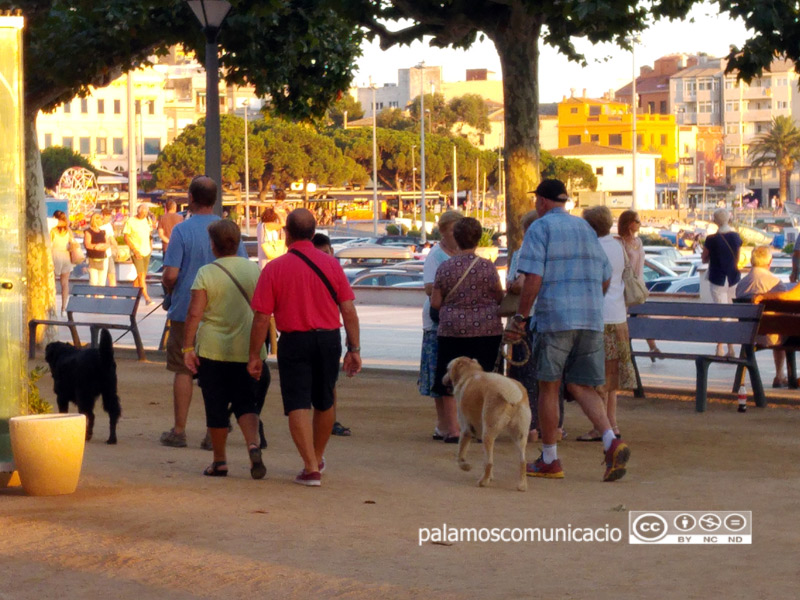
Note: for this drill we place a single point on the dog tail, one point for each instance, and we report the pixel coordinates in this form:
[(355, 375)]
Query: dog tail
[(106, 348)]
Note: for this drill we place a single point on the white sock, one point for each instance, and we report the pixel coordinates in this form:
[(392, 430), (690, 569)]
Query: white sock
[(549, 453), (608, 438)]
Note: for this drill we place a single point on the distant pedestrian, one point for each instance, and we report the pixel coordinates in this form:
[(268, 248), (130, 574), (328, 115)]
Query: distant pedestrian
[(721, 253), (137, 233), (113, 250), (167, 222), (96, 244), (306, 290), (61, 242), (567, 273)]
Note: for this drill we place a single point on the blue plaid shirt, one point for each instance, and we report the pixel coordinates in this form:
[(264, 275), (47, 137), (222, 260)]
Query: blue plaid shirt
[(564, 251)]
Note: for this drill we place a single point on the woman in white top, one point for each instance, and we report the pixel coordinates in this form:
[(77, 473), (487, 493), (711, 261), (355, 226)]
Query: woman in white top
[(446, 414), (619, 366), (267, 230), (61, 241), (628, 227)]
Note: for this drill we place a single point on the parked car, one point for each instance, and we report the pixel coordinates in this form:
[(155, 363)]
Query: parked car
[(655, 272), (684, 285), (667, 256), (386, 277)]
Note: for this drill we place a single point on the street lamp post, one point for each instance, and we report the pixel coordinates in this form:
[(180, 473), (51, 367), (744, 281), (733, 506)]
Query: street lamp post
[(246, 171), (634, 102), (374, 165), (211, 14), (421, 67)]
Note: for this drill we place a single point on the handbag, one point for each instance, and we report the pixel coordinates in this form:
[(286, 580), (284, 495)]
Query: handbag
[(635, 290), (76, 255), (434, 312), (509, 305)]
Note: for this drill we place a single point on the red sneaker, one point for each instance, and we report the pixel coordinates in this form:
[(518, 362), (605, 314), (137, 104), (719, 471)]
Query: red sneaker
[(617, 457), (539, 468), (306, 478)]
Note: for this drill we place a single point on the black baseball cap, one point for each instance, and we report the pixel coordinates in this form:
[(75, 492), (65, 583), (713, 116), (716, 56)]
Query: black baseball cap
[(552, 189)]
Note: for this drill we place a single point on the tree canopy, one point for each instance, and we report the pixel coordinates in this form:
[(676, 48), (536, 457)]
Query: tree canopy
[(575, 173), (56, 160), (516, 27), (345, 105)]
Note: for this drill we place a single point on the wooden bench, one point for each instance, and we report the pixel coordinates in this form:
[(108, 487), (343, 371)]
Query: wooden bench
[(694, 322), (780, 317), (100, 301)]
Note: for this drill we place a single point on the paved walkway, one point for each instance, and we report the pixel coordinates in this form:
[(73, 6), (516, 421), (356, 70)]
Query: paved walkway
[(391, 338)]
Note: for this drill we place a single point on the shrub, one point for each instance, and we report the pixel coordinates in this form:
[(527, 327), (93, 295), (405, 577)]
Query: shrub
[(36, 405), (653, 239)]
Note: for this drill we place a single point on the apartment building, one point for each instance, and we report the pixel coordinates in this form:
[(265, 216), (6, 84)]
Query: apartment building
[(167, 97), (608, 122), (653, 84)]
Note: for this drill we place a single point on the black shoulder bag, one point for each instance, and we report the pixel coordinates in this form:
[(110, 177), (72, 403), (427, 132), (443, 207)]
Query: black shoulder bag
[(319, 273)]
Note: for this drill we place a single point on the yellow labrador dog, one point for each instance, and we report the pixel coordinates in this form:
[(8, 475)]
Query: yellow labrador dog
[(488, 404)]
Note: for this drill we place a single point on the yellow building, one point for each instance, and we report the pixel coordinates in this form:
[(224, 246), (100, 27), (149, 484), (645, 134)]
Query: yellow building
[(608, 123)]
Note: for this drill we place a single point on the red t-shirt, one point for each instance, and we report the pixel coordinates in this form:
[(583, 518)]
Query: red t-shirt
[(289, 289)]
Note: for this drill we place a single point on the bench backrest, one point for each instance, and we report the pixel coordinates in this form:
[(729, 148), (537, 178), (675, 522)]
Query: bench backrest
[(780, 316), (695, 322), (104, 300)]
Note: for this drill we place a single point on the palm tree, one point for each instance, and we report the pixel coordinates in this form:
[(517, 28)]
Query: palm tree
[(780, 148)]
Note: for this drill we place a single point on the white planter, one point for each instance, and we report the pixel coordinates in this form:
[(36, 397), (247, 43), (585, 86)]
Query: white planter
[(48, 452)]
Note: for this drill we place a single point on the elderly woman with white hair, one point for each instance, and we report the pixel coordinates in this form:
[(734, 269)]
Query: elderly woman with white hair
[(721, 252)]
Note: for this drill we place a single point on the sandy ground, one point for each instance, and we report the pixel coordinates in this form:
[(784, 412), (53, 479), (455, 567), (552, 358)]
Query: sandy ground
[(145, 523)]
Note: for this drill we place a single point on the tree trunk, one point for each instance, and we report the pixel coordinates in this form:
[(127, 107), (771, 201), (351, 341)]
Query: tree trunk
[(41, 279), (517, 44), (783, 189)]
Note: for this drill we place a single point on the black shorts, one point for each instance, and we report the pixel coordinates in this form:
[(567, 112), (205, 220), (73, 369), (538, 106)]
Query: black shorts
[(483, 349), (308, 366), (228, 388)]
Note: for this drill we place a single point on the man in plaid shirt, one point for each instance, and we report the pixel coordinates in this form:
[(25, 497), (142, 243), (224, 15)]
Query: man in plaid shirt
[(567, 273)]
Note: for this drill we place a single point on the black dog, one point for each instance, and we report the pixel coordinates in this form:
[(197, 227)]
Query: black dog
[(80, 375)]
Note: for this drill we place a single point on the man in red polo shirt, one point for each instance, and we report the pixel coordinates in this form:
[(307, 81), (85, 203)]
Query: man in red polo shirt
[(306, 290)]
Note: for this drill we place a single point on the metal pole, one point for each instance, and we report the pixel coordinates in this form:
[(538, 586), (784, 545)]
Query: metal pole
[(455, 178), (634, 104), (477, 184), (213, 159), (132, 191), (246, 172), (424, 236), (374, 166)]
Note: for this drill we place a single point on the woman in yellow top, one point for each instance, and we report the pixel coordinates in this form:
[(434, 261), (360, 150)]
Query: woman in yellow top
[(61, 241), (220, 308)]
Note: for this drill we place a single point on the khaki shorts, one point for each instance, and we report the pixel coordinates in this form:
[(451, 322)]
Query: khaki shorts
[(174, 346), (577, 356)]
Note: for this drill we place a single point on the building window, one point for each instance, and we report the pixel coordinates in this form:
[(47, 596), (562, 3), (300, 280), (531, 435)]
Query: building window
[(66, 142), (573, 110), (573, 140), (394, 105), (691, 87), (101, 107), (780, 104), (151, 107), (482, 139), (704, 107), (663, 139), (137, 107), (639, 140), (48, 140), (594, 110), (84, 145), (732, 106), (615, 139), (620, 170), (662, 107), (598, 171), (117, 146), (152, 145), (100, 146), (594, 138), (117, 107), (84, 106), (67, 108)]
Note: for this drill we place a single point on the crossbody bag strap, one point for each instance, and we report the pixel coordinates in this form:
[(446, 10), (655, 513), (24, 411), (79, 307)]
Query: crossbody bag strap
[(238, 285), (319, 273), (463, 277)]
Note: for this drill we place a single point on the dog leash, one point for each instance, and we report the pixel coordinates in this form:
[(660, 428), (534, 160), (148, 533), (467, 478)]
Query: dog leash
[(507, 356), (124, 333)]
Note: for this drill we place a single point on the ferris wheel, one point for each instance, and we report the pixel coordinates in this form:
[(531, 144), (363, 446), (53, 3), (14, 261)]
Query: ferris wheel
[(79, 186)]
